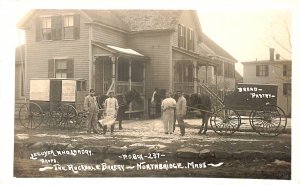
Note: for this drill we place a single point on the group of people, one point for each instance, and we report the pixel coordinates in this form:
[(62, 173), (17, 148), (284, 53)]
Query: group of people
[(91, 107), (171, 110), (168, 106)]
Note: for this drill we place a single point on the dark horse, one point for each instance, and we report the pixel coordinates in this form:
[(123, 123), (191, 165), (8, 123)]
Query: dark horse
[(202, 103), (123, 100)]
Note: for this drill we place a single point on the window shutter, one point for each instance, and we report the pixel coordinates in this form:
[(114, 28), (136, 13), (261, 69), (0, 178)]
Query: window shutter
[(56, 27), (179, 31), (51, 68), (38, 31), (76, 26), (193, 38), (70, 68), (184, 37), (188, 39), (257, 70)]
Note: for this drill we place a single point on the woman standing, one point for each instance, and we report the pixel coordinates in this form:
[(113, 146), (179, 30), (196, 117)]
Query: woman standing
[(168, 106)]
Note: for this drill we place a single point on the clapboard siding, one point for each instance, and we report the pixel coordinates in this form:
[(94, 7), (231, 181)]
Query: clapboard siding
[(157, 47), (38, 53), (108, 36)]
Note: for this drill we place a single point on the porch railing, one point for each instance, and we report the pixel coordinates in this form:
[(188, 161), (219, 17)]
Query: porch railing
[(186, 87)]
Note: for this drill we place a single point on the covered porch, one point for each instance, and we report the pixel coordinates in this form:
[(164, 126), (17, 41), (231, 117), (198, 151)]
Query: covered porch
[(190, 70), (120, 70)]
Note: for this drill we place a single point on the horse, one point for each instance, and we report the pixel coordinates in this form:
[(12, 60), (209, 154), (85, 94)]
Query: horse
[(123, 100), (158, 96), (202, 103)]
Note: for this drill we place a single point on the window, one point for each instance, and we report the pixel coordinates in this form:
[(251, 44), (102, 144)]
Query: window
[(68, 27), (287, 88), (46, 28), (57, 27), (287, 70), (262, 70), (185, 37), (60, 68)]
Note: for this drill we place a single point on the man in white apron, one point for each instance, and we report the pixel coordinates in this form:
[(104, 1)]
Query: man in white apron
[(111, 107), (168, 106)]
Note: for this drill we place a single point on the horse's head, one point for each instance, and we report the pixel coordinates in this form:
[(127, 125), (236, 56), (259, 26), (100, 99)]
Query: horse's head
[(100, 100), (133, 95)]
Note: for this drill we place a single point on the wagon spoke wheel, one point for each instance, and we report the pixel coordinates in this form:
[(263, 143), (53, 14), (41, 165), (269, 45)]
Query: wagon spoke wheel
[(31, 115), (225, 121), (268, 120), (68, 116), (81, 120)]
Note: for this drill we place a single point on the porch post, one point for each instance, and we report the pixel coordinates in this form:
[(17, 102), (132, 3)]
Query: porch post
[(195, 76), (216, 67), (129, 80), (114, 61)]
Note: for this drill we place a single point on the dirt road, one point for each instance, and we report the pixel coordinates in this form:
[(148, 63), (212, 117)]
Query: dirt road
[(142, 149)]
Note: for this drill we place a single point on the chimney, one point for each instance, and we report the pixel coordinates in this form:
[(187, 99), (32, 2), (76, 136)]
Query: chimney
[(271, 54), (277, 56)]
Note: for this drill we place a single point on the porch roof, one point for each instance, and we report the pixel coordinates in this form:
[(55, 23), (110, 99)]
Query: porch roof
[(198, 57), (119, 50)]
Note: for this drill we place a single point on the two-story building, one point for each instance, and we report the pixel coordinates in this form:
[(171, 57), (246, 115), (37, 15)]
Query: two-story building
[(272, 71), (121, 50)]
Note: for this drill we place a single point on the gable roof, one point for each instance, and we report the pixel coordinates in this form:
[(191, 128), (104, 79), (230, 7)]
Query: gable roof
[(218, 50), (132, 20)]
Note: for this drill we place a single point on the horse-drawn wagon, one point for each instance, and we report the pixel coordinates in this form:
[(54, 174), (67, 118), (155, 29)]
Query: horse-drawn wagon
[(55, 102), (256, 103)]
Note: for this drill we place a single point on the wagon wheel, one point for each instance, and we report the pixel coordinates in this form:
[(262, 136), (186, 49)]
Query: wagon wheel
[(66, 116), (31, 115), (81, 120), (225, 121), (53, 118), (268, 120)]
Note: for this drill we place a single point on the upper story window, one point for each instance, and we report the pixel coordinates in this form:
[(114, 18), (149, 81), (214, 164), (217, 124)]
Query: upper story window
[(68, 27), (58, 27), (46, 28), (286, 70), (185, 37), (262, 70)]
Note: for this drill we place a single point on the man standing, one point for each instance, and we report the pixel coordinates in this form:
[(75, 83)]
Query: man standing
[(181, 111), (91, 107), (111, 107), (168, 105)]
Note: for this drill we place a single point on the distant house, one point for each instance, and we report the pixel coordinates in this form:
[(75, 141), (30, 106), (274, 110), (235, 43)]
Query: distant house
[(272, 71), (121, 50)]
